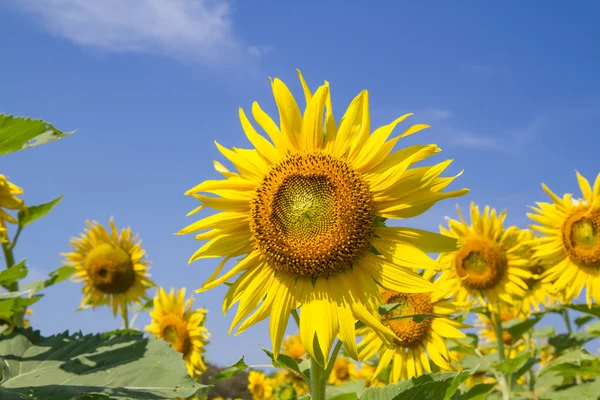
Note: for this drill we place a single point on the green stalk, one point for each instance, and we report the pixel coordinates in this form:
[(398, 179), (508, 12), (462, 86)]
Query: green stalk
[(505, 384), (530, 374), (125, 315), (565, 314), (334, 355), (296, 317), (9, 257), (317, 381)]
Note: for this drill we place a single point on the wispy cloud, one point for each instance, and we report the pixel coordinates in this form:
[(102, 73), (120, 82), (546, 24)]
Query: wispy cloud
[(470, 140), (192, 30)]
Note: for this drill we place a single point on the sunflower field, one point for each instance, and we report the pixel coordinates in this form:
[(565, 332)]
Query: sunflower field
[(305, 229)]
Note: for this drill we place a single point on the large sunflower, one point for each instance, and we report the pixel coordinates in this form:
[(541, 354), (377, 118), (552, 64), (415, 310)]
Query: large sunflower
[(489, 264), (9, 201), (305, 208), (174, 321), (111, 265), (416, 343), (571, 247)]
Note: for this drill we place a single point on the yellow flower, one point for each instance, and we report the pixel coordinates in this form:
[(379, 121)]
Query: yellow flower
[(488, 264), (293, 347), (343, 371), (259, 386), (571, 247), (9, 201), (290, 378), (416, 343), (304, 209), (538, 293), (174, 321), (111, 265), (367, 372)]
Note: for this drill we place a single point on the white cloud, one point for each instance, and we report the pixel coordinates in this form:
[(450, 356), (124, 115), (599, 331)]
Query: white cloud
[(196, 30), (472, 141)]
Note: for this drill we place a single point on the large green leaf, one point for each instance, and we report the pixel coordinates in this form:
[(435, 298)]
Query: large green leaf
[(583, 391), (19, 133), (347, 391), (32, 213), (477, 392), (511, 365), (56, 276), (576, 362), (424, 387), (517, 330), (13, 274), (593, 310), (65, 366)]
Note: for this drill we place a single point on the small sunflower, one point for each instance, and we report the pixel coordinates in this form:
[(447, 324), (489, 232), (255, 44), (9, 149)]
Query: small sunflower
[(293, 347), (344, 370), (174, 321), (260, 386), (9, 201), (416, 343), (111, 265), (489, 264), (571, 247), (286, 377), (538, 293), (304, 209)]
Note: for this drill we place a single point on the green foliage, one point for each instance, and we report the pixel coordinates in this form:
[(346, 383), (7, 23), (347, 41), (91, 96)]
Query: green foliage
[(33, 213), (347, 391), (232, 370), (518, 329), (284, 361), (19, 133), (13, 274), (56, 276), (477, 392), (582, 320), (577, 362), (424, 387), (124, 366)]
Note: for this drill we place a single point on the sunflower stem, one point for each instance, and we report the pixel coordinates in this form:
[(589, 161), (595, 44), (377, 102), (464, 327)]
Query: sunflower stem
[(125, 315), (19, 316), (530, 374), (317, 381), (505, 379), (565, 314), (336, 351)]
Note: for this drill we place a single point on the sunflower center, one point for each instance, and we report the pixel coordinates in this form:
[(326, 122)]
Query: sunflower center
[(409, 333), (342, 372), (481, 262), (258, 391), (312, 216), (110, 269), (174, 331), (581, 237)]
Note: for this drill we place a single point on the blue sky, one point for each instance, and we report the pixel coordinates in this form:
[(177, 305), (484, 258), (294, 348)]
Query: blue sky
[(510, 89)]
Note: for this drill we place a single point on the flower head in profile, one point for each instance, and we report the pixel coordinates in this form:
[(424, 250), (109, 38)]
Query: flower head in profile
[(417, 342), (175, 321), (570, 247), (304, 211), (489, 263), (8, 201), (111, 265)]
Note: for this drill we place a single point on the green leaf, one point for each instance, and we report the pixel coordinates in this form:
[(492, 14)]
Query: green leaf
[(424, 387), (56, 276), (564, 341), (19, 133), (13, 274), (545, 332), (583, 391), (510, 365), (347, 391), (517, 330), (582, 320), (594, 310), (32, 213), (284, 361), (477, 392), (12, 295), (10, 306), (64, 366), (576, 362), (232, 370)]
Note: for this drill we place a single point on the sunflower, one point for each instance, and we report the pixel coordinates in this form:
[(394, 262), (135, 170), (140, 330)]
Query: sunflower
[(538, 293), (174, 321), (344, 370), (571, 247), (260, 386), (416, 343), (305, 209), (287, 377), (9, 201), (367, 372), (489, 263), (293, 347), (111, 265)]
